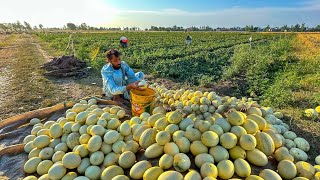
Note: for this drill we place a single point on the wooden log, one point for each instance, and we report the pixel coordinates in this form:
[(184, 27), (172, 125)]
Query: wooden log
[(11, 123)]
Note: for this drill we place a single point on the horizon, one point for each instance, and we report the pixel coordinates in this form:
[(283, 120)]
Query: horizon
[(144, 14)]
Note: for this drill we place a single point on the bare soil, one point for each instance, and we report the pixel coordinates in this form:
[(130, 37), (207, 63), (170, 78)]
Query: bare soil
[(23, 85)]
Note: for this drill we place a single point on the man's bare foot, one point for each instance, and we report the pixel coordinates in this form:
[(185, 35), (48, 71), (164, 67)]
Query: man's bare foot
[(121, 100)]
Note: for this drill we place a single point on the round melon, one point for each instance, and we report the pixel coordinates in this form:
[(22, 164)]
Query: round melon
[(29, 147), (305, 169), (225, 169), (265, 143), (131, 145), (73, 140), (192, 134), (159, 109), (248, 142), (97, 130), (120, 177), (298, 154), (183, 144), (242, 167), (81, 117), (166, 161), (237, 152), (163, 137), (262, 123), (69, 176), (125, 129), (209, 170), (287, 169), (254, 177), (268, 174), (317, 159), (111, 137), (94, 143), (235, 118), (154, 151), (85, 163), (31, 165), (111, 172), (200, 159), (275, 137), (197, 147), (46, 153), (111, 159), (161, 124), (71, 160), (228, 140), (192, 175), (56, 131), (209, 138), (219, 153), (238, 131), (127, 159), (34, 153), (302, 144), (57, 156), (223, 123), (117, 146), (93, 172), (96, 158), (138, 169), (41, 141), (250, 126), (171, 148), (57, 171), (153, 173), (181, 162), (257, 157), (171, 175), (282, 153), (147, 138)]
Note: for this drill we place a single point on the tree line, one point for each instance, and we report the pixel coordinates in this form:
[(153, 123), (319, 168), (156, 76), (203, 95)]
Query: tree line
[(26, 27)]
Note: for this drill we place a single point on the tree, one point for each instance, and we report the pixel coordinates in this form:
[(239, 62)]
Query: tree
[(284, 28), (295, 28), (83, 26), (40, 26), (249, 28), (27, 25), (3, 27), (71, 26), (266, 28), (303, 28), (317, 28)]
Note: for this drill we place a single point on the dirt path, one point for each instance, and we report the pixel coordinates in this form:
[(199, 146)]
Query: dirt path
[(24, 88)]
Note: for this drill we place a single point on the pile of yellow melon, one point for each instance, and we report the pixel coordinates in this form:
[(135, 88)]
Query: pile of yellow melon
[(205, 137), (313, 113)]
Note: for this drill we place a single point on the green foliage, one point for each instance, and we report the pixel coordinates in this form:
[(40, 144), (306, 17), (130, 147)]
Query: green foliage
[(163, 54), (259, 64), (266, 68)]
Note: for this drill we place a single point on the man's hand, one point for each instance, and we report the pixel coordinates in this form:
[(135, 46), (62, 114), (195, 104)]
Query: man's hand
[(134, 86)]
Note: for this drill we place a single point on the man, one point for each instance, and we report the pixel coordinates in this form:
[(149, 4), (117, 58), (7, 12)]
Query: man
[(188, 40), (123, 42), (118, 78)]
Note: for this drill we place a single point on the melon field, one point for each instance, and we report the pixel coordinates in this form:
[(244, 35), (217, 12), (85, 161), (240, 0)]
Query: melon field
[(225, 107)]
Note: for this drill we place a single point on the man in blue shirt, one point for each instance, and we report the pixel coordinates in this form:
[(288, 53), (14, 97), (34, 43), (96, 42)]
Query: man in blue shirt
[(118, 78)]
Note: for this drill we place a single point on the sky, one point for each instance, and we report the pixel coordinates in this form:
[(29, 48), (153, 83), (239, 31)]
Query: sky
[(166, 13)]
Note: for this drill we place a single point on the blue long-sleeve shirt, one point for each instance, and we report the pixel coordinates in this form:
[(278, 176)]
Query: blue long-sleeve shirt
[(115, 81)]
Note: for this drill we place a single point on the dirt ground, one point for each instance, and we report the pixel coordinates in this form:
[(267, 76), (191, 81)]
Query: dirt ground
[(23, 86)]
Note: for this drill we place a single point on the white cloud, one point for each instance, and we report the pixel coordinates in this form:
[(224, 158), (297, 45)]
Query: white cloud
[(100, 12), (58, 12)]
